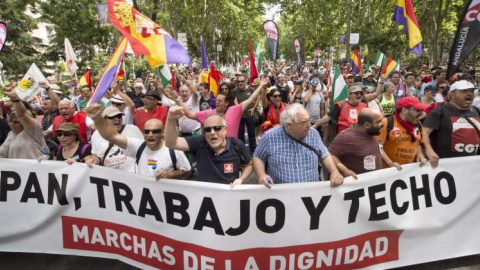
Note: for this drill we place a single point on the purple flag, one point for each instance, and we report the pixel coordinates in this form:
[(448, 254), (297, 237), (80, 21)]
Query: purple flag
[(204, 57)]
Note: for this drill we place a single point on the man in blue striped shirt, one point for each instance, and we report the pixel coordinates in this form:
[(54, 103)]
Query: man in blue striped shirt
[(284, 155)]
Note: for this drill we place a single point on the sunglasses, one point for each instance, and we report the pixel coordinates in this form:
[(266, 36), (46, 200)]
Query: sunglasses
[(275, 96), (433, 91), (66, 134), (118, 116), (215, 128), (154, 131), (117, 104), (358, 93)]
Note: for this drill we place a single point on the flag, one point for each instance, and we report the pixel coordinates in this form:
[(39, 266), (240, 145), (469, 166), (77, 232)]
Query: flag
[(86, 79), (3, 34), (145, 36), (339, 89), (204, 56), (253, 67), (174, 82), (466, 38), (258, 57), (398, 66), (389, 67), (271, 30), (165, 75), (120, 75), (28, 87), (380, 59), (213, 79), (70, 58), (356, 61), (110, 72), (296, 45), (367, 67), (405, 15)]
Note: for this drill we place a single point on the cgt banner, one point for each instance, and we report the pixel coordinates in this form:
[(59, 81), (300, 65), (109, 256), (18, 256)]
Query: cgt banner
[(384, 219)]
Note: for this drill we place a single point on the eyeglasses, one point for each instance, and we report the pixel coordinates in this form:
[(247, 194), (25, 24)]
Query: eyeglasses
[(118, 116), (433, 91), (154, 131), (305, 123), (358, 93), (275, 96), (215, 128), (66, 134), (117, 104)]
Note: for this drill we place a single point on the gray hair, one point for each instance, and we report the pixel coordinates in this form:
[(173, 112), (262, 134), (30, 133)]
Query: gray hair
[(289, 115), (68, 101), (224, 122), (386, 86)]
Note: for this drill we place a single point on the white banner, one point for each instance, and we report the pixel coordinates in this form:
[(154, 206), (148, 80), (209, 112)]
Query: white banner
[(382, 220)]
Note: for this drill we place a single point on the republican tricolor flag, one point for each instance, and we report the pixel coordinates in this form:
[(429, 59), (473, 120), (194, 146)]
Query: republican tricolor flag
[(405, 15), (356, 61), (389, 67), (110, 72), (145, 36)]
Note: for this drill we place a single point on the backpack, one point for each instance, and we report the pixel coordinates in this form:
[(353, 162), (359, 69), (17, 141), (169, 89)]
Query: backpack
[(142, 148), (110, 145)]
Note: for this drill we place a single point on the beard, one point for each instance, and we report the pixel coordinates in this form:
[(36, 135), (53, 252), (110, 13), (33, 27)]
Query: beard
[(374, 131)]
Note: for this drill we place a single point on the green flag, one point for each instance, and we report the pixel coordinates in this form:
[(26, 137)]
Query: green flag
[(368, 68), (165, 75), (339, 89), (381, 59), (258, 57)]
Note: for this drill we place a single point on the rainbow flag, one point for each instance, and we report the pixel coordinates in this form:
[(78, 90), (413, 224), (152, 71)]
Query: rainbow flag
[(356, 61), (110, 72), (390, 66), (145, 36), (405, 15)]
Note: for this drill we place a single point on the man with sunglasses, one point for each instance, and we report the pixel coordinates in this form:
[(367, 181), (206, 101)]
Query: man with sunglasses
[(219, 159), (107, 154), (242, 93), (153, 159)]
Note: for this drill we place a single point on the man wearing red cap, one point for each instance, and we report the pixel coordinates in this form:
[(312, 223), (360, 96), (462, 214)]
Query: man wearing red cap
[(401, 135)]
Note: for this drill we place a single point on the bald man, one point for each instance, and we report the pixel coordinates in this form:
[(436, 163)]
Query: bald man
[(153, 158), (356, 150)]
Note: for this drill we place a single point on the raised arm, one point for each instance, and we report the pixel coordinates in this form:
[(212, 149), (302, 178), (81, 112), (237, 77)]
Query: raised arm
[(172, 140), (128, 101), (251, 99), (53, 96), (106, 131), (378, 91), (27, 121)]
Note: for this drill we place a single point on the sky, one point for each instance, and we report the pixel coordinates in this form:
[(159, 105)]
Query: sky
[(272, 12)]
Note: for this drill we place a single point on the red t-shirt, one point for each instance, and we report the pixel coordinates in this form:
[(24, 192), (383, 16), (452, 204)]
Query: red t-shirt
[(79, 118), (348, 115), (142, 116)]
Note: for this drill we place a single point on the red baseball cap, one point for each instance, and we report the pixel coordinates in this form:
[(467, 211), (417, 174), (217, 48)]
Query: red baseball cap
[(411, 102)]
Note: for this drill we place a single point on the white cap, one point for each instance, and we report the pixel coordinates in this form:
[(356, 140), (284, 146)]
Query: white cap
[(462, 85), (117, 99)]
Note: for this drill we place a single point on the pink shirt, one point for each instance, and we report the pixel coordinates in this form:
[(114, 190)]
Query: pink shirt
[(232, 116)]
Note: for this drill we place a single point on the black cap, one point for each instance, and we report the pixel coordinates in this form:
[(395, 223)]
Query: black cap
[(153, 93)]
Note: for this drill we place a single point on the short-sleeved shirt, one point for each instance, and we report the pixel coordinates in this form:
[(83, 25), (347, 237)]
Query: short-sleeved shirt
[(142, 116), (313, 105), (152, 162), (233, 115), (286, 160), (398, 144), (242, 95), (25, 145), (185, 124), (116, 157), (358, 151), (284, 90), (223, 168), (452, 135)]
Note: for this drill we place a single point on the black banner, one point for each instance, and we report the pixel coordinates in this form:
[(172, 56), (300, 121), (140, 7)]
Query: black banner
[(271, 30), (467, 37)]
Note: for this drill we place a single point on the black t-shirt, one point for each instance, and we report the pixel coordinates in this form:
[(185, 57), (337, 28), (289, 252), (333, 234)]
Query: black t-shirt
[(213, 168), (136, 99), (4, 130), (204, 104), (453, 135), (84, 149)]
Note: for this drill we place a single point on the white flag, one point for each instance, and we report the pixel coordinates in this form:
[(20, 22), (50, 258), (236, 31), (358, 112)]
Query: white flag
[(70, 58), (28, 87)]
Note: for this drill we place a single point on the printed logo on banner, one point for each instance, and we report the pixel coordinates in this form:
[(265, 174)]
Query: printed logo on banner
[(228, 168), (464, 136)]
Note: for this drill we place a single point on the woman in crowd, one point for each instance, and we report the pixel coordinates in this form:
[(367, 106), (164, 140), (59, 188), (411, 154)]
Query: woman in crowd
[(71, 148), (272, 107), (387, 99), (25, 139)]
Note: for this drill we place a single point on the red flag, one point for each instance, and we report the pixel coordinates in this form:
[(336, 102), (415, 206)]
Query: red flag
[(86, 79), (213, 79), (253, 67), (172, 81)]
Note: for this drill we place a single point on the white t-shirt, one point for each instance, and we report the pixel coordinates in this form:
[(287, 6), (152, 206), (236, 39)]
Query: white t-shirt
[(185, 124), (313, 105), (117, 157), (167, 102), (151, 162), (128, 117)]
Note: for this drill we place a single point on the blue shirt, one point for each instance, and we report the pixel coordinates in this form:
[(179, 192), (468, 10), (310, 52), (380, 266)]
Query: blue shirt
[(286, 160)]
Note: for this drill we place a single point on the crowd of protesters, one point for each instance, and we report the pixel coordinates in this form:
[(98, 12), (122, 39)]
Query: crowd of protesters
[(281, 125)]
